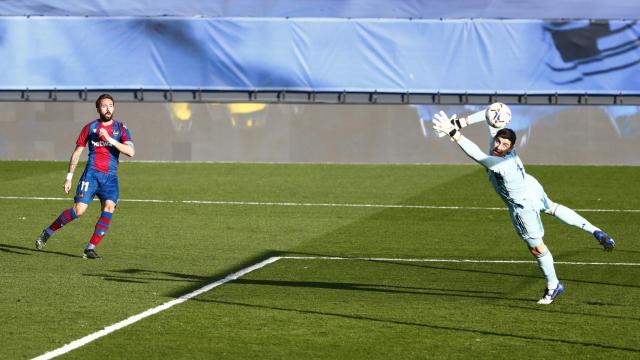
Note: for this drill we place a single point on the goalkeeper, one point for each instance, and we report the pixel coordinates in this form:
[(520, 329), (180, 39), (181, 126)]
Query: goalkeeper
[(522, 193)]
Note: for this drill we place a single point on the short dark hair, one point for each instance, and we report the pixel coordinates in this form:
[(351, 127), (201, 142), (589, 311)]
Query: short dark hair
[(102, 97), (508, 134)]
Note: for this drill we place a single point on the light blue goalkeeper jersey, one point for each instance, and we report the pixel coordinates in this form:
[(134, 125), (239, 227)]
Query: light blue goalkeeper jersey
[(507, 175)]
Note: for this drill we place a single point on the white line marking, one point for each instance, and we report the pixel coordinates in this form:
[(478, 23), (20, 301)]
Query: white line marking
[(258, 203), (135, 318), (456, 260)]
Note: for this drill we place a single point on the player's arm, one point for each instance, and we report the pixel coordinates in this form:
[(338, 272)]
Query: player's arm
[(473, 151), (442, 124), (73, 163), (476, 117), (127, 148), (464, 121)]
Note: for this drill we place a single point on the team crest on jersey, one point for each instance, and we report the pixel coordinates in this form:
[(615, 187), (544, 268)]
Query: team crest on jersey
[(115, 132)]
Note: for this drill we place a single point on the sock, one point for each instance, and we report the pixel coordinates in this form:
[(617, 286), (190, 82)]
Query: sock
[(65, 217), (102, 226), (545, 262), (572, 218)]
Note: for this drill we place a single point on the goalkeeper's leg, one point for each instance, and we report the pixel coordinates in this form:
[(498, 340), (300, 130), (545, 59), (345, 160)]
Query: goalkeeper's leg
[(529, 227), (545, 262), (571, 217)]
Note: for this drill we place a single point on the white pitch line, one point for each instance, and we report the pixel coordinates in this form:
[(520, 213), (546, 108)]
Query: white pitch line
[(259, 203), (135, 318), (457, 260)]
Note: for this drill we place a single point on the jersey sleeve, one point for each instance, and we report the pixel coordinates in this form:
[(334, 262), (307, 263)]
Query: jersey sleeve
[(476, 117), (126, 135), (473, 151), (84, 136)]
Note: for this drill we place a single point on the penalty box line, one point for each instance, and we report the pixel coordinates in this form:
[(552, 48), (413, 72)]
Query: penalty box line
[(135, 318), (236, 275)]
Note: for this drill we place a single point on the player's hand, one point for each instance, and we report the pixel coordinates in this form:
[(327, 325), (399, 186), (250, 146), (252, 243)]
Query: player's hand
[(103, 134), (67, 186), (442, 124)]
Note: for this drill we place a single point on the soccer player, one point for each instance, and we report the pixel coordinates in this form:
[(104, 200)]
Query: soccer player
[(106, 138), (523, 195)]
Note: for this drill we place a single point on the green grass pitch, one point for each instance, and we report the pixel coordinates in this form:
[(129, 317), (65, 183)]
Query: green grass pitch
[(317, 308)]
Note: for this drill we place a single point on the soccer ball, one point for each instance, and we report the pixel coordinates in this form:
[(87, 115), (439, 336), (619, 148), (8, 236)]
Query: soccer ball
[(498, 115)]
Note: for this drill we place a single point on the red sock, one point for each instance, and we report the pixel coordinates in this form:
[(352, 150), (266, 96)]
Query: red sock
[(102, 226), (65, 217)]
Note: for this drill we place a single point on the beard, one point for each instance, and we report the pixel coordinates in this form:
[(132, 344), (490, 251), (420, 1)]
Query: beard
[(106, 117)]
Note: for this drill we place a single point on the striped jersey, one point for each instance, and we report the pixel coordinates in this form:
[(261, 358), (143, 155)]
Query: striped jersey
[(103, 156)]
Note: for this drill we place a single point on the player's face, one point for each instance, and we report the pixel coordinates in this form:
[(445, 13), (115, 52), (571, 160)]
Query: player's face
[(501, 146), (106, 110)]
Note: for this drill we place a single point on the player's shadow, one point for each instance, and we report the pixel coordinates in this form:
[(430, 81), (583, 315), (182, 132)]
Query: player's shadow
[(441, 292), (142, 276), (21, 250), (550, 310), (441, 267), (551, 340), (194, 282), (13, 249), (390, 289), (433, 266)]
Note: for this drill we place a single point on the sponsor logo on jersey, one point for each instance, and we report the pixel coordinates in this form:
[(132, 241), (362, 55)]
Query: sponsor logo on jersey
[(101, 143)]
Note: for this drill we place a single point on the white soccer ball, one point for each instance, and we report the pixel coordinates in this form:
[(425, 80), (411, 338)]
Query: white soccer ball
[(498, 115)]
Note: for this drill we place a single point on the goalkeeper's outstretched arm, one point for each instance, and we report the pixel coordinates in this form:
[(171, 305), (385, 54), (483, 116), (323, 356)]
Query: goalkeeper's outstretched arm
[(464, 121), (443, 125), (476, 117)]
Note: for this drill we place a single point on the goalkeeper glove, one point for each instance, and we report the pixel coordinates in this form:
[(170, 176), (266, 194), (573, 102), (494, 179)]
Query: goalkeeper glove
[(444, 125), (457, 123)]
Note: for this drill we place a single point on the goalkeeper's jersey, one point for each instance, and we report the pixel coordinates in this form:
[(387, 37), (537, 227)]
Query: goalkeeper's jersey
[(511, 182), (507, 175)]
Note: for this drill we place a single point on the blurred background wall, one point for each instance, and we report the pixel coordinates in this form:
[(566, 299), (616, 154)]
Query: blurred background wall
[(319, 133)]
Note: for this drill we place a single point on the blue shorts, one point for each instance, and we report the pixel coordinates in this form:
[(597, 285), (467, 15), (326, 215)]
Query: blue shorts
[(95, 183)]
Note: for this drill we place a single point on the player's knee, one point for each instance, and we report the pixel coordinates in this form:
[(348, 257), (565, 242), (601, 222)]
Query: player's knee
[(538, 249), (552, 209), (79, 209), (109, 206)]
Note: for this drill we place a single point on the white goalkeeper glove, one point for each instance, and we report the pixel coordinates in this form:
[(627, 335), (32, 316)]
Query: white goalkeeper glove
[(443, 125), (459, 123)]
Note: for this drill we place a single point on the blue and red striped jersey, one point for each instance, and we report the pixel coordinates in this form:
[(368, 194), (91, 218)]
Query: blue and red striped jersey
[(103, 156)]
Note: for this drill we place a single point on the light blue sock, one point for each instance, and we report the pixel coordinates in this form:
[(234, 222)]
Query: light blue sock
[(545, 262), (573, 218)]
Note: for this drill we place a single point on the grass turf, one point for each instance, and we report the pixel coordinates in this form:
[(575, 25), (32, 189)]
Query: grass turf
[(157, 251)]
